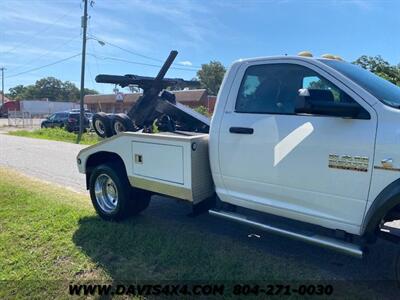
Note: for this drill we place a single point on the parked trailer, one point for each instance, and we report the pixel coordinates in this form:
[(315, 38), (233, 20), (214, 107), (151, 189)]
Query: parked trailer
[(39, 107), (36, 107), (9, 106), (313, 140)]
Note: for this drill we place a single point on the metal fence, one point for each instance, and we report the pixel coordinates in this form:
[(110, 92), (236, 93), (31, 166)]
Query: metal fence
[(24, 119)]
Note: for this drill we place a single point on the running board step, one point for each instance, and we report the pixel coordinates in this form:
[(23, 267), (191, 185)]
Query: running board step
[(330, 243)]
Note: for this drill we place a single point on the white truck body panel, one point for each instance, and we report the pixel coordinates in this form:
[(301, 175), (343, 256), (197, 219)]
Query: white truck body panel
[(173, 164), (387, 145)]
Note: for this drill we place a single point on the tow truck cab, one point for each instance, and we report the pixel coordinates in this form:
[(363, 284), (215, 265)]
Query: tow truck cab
[(310, 139), (313, 140)]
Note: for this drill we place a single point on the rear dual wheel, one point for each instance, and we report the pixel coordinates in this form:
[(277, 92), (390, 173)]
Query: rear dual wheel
[(102, 125), (112, 195), (121, 123), (107, 126)]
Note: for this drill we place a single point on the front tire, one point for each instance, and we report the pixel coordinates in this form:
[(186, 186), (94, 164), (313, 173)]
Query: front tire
[(112, 195)]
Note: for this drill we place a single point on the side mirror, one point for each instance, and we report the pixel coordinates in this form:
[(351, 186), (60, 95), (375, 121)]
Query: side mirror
[(304, 93), (321, 102)]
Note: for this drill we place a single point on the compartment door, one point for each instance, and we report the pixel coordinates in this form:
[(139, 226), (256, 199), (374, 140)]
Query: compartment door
[(158, 161)]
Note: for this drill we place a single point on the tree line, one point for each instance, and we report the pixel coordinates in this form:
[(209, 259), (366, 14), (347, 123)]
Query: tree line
[(380, 67), (49, 88), (209, 76)]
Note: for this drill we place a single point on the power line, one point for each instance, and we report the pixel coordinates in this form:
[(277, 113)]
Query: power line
[(88, 64), (138, 63), (45, 66), (47, 52), (40, 32), (133, 52), (126, 50), (96, 60), (90, 74)]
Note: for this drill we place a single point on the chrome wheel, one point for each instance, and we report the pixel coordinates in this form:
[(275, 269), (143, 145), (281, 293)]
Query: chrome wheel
[(99, 126), (106, 193), (119, 127)]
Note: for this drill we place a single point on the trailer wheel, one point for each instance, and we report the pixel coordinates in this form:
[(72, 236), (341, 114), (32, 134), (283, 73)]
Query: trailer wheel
[(102, 125), (122, 123), (112, 195)]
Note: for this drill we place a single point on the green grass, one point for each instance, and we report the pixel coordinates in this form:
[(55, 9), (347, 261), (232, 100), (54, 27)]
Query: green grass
[(57, 134), (50, 236)]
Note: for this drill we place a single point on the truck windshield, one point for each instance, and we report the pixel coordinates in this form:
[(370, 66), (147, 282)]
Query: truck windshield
[(382, 89)]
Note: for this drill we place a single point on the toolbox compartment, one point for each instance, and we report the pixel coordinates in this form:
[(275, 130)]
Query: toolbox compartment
[(174, 164)]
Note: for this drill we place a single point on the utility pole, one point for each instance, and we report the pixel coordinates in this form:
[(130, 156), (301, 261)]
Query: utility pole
[(82, 107), (2, 84)]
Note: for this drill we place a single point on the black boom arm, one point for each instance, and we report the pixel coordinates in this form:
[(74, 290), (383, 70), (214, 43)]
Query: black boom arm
[(145, 107), (149, 105)]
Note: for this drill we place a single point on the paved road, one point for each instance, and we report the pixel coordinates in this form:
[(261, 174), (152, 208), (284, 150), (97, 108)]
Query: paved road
[(46, 160), (55, 162)]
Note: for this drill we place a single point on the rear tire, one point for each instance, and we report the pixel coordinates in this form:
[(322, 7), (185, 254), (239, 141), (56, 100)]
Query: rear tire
[(144, 199), (102, 125), (112, 195), (121, 123)]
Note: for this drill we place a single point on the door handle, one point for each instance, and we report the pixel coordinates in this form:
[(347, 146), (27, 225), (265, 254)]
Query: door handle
[(241, 130)]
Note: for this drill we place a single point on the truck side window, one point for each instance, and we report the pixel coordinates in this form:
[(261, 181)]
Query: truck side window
[(265, 89), (273, 89)]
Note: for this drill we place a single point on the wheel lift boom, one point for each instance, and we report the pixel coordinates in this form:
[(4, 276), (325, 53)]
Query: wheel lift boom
[(152, 105)]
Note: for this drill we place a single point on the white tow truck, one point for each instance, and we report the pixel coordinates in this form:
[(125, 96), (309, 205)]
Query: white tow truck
[(314, 140)]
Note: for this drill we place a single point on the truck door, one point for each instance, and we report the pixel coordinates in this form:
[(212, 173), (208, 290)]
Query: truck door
[(302, 166)]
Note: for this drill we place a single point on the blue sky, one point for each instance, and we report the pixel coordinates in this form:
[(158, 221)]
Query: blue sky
[(35, 33)]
